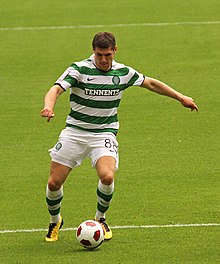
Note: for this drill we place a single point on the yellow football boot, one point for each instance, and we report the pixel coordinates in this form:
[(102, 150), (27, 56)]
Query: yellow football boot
[(53, 230), (106, 228)]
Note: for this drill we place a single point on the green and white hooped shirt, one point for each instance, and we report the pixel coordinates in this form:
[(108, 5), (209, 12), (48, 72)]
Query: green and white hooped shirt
[(95, 95)]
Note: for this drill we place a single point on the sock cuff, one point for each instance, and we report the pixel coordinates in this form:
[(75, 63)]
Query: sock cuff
[(54, 194), (106, 189)]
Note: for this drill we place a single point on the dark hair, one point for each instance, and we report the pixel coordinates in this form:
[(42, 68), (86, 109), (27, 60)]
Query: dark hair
[(104, 40)]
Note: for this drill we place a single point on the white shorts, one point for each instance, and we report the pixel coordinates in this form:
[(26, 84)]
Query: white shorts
[(75, 145)]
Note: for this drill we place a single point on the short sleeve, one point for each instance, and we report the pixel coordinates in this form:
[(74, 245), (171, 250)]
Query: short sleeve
[(68, 79), (136, 78)]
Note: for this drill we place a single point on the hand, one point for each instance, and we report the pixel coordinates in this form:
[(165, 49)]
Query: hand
[(47, 113), (189, 103)]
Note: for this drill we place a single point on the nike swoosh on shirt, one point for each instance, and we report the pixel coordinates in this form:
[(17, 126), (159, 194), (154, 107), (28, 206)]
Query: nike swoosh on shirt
[(90, 79)]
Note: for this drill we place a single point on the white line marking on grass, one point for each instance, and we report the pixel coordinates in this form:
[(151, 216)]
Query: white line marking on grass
[(157, 24), (114, 227)]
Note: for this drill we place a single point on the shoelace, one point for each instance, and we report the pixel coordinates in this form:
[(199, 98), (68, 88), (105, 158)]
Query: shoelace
[(102, 222), (51, 227)]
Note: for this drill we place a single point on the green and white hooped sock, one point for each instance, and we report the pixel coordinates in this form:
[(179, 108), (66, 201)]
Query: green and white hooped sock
[(53, 199), (104, 194)]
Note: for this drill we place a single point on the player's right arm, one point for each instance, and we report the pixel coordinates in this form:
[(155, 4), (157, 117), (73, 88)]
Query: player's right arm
[(50, 100)]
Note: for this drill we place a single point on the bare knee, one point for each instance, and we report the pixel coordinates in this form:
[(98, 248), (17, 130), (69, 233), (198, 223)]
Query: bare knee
[(54, 184), (107, 178)]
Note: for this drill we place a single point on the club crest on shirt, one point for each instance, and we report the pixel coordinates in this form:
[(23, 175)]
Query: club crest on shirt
[(115, 80)]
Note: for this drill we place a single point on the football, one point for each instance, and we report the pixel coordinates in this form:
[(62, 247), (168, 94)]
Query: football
[(90, 234)]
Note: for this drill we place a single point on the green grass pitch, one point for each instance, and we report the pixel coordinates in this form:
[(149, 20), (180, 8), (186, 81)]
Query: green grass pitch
[(169, 157)]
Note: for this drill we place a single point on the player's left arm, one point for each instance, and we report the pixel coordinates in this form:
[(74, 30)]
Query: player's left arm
[(159, 87)]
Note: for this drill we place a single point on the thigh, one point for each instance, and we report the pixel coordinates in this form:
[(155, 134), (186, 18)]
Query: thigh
[(58, 175), (105, 167)]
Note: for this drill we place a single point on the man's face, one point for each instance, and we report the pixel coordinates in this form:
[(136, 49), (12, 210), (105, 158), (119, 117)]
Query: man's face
[(104, 58)]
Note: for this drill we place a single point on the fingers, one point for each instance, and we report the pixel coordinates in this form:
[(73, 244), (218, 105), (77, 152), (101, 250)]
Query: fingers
[(47, 113), (195, 108), (49, 117), (189, 103), (192, 106)]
